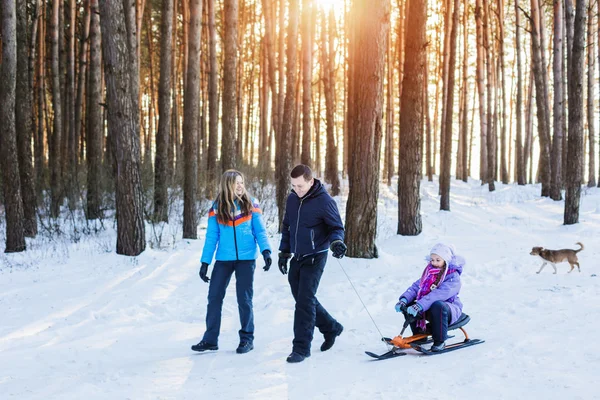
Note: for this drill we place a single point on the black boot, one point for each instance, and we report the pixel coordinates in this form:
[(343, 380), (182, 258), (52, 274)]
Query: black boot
[(244, 347), (330, 338), (296, 357), (203, 346)]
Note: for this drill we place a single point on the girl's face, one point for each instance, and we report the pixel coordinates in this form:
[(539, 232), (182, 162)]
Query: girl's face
[(437, 261), (239, 186)]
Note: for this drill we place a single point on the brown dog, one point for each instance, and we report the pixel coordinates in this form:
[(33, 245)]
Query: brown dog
[(557, 256)]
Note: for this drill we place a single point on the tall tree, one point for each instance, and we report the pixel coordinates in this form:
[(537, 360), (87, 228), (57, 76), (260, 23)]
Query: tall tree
[(13, 203), (94, 135), (82, 76), (575, 143), (541, 97), (327, 66), (590, 100), (501, 34), (446, 151), (24, 123), (213, 102), (190, 122), (519, 161), (57, 134), (284, 144), (368, 44), (161, 206), (307, 68), (120, 70), (411, 128), (480, 73), (557, 141), (228, 142)]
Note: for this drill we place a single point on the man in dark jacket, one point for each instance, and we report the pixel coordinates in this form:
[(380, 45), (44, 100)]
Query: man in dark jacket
[(311, 226)]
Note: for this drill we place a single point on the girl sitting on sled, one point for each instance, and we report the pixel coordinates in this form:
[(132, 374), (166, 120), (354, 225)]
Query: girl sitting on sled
[(434, 297)]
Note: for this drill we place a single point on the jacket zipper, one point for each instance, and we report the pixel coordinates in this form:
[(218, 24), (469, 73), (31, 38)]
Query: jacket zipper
[(297, 223), (235, 241)]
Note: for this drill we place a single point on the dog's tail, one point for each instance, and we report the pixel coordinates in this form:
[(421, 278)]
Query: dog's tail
[(581, 244)]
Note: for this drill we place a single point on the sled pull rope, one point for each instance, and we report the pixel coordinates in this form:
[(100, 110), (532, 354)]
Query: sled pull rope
[(363, 303)]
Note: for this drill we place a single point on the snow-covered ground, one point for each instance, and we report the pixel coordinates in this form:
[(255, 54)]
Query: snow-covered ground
[(79, 322)]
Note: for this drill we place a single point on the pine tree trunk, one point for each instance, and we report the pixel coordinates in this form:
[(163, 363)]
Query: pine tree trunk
[(480, 71), (557, 141), (503, 156), (598, 42), (411, 129), (327, 63), (590, 100), (307, 69), (446, 151), (490, 85), (429, 154), (284, 144), (228, 143), (190, 120), (388, 162), (575, 152), (24, 124), (94, 111), (120, 68), (40, 160), (11, 187), (70, 155), (55, 143), (161, 202), (368, 44), (77, 130), (519, 156), (465, 119), (541, 97)]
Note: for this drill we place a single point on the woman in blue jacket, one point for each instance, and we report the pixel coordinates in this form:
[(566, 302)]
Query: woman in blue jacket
[(235, 227)]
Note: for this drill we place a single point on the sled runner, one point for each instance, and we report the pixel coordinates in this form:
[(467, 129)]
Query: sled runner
[(417, 341)]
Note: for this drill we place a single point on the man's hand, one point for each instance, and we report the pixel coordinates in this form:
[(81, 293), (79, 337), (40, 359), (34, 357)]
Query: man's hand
[(338, 248), (283, 260)]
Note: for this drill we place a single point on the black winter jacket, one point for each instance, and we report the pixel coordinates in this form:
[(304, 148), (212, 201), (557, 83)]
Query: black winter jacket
[(310, 223)]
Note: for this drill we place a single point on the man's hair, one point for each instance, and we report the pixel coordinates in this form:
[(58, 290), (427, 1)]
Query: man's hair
[(301, 170)]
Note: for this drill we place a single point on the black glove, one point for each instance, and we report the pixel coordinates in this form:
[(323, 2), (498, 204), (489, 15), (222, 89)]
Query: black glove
[(283, 260), (338, 248), (203, 272), (268, 260)]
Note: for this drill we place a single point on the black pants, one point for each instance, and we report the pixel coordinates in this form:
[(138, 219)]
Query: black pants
[(304, 277), (438, 316)]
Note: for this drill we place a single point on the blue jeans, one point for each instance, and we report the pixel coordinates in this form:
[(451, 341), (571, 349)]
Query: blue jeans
[(219, 280), (304, 277)]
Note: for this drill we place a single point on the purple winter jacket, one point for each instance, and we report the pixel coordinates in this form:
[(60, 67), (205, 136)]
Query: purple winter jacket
[(447, 291)]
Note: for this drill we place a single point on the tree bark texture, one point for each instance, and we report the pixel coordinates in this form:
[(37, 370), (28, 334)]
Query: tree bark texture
[(411, 130), (120, 70), (13, 203), (575, 143), (190, 122), (368, 44), (161, 171), (228, 142), (24, 124)]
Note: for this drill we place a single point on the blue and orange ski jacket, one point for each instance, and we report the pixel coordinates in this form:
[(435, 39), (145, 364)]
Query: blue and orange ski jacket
[(237, 239)]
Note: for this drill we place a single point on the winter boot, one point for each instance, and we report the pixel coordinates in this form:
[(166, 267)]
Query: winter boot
[(330, 338), (203, 346), (296, 357), (438, 346), (244, 347)]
